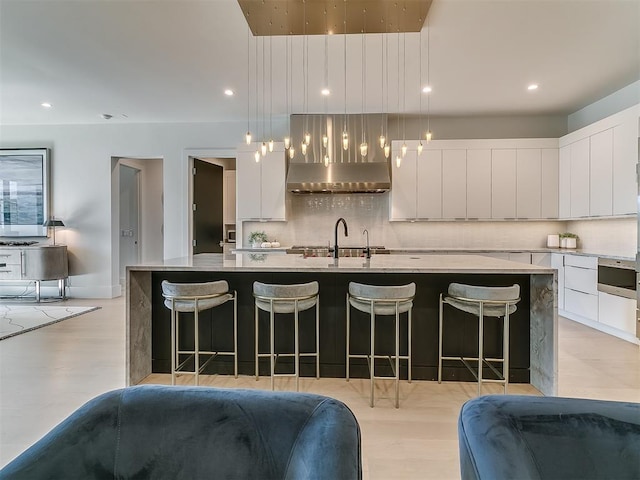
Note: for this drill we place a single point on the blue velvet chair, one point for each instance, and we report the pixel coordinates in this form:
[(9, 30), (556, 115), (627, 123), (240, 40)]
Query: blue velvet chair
[(525, 437), (164, 432)]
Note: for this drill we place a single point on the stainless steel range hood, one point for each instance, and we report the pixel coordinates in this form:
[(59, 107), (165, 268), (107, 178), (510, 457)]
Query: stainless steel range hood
[(347, 171), (369, 177)]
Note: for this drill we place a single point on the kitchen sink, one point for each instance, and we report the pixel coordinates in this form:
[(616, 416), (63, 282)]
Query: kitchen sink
[(324, 251)]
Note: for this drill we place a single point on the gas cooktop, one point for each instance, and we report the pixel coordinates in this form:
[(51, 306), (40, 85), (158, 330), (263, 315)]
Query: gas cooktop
[(16, 244)]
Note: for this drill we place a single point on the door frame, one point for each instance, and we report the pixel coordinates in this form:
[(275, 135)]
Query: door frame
[(211, 155)]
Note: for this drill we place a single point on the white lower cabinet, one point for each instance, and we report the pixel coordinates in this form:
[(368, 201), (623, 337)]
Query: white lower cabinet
[(617, 312), (580, 300), (580, 303)]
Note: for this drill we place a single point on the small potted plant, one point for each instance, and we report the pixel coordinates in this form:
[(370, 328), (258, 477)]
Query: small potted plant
[(568, 240), (256, 239)]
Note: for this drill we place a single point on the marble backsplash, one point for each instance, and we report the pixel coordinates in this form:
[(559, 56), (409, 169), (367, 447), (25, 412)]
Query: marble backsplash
[(311, 221)]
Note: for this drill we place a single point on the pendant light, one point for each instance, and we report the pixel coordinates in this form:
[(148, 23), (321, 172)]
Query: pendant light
[(248, 134), (387, 145), (420, 146), (345, 135), (305, 70), (382, 139), (398, 154), (364, 148), (429, 134), (270, 90), (326, 91), (263, 146), (287, 138), (404, 87), (258, 150)]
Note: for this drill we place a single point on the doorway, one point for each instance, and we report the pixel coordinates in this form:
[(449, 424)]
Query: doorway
[(208, 208)]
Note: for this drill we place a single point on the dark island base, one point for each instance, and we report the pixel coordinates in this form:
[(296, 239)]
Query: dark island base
[(460, 328)]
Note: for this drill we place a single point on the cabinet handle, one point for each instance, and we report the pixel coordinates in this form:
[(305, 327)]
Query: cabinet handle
[(3, 264), (23, 267), (5, 271)]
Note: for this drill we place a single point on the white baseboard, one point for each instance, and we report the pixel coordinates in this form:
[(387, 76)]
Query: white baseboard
[(600, 326)]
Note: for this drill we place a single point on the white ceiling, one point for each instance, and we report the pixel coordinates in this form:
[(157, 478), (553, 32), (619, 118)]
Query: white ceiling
[(170, 60)]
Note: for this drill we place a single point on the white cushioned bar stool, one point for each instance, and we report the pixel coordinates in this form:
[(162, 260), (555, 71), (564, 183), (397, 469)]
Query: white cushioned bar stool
[(382, 300), (194, 298), (294, 299), (499, 302)]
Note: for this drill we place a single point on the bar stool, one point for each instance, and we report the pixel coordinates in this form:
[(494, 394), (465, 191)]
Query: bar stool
[(194, 298), (497, 302), (287, 299), (382, 300)]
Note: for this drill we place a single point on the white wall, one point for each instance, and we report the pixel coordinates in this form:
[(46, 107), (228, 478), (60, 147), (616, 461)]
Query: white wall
[(81, 185), (624, 98)]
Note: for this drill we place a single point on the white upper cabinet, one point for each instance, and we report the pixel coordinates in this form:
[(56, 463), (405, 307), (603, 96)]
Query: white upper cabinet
[(229, 214), (503, 183), (528, 183), (454, 184), (625, 158), (564, 179), (579, 195), (601, 174), (261, 185), (429, 185), (403, 188), (550, 183), (479, 183), (598, 167)]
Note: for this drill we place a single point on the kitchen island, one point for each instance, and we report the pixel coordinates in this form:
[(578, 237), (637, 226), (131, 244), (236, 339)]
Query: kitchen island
[(533, 325)]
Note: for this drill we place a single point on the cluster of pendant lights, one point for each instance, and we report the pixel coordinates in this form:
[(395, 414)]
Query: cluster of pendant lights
[(306, 141)]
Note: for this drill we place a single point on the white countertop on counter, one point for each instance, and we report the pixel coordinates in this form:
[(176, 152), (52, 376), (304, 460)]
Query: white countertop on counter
[(464, 251), (480, 251), (427, 263)]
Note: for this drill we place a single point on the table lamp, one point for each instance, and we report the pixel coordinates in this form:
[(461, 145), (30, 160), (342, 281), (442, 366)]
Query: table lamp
[(53, 223)]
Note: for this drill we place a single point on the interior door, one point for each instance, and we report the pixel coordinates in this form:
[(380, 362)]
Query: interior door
[(208, 208), (129, 218)]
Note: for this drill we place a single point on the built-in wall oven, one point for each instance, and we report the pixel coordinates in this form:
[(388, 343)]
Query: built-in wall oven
[(617, 277)]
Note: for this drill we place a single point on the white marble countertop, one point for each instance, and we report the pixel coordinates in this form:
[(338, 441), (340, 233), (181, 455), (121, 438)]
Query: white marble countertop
[(472, 251), (418, 263)]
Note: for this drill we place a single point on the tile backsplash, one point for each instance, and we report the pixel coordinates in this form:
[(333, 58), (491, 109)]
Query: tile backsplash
[(312, 218)]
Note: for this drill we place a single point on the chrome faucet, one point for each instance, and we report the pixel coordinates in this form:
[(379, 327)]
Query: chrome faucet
[(367, 251), (346, 234)]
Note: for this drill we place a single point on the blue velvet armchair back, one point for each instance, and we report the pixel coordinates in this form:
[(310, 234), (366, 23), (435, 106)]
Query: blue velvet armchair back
[(504, 437), (160, 432)]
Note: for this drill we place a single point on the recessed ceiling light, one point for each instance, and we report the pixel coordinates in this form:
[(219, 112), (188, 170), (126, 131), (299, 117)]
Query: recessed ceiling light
[(228, 92), (533, 86), (326, 92), (427, 89), (46, 105)]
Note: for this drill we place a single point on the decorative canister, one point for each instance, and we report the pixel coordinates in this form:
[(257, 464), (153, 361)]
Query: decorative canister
[(553, 241)]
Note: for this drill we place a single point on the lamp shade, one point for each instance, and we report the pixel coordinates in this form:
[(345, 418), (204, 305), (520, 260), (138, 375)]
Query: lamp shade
[(53, 222)]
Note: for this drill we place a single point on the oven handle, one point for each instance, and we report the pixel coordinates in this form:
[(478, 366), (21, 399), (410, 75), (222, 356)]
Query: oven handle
[(617, 291)]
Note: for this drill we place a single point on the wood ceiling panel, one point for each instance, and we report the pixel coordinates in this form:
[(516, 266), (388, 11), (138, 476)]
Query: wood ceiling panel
[(286, 17)]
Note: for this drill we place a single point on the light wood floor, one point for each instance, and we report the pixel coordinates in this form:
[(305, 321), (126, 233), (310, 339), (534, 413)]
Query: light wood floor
[(48, 373)]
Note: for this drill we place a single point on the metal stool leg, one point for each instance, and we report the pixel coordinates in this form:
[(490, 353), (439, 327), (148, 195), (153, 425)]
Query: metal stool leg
[(272, 345), (480, 346), (257, 336), (373, 359), (505, 352), (440, 333), (296, 343), (174, 343), (397, 372), (318, 338), (348, 334), (235, 334), (196, 343), (409, 346)]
